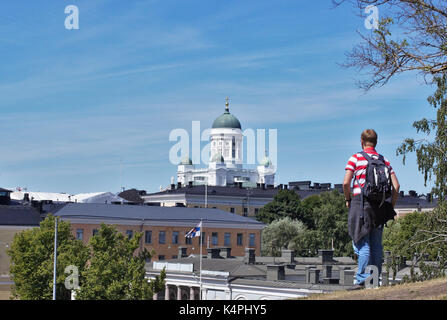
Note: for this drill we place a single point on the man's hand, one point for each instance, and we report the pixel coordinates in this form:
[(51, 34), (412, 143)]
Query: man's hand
[(347, 187)]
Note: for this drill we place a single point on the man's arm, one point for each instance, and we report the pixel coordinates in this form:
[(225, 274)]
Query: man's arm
[(347, 186), (396, 187)]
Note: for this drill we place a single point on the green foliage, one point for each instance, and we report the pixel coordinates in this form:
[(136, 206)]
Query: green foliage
[(116, 271), (278, 234), (286, 203), (432, 155), (324, 217), (398, 234), (32, 254), (330, 219), (108, 267), (421, 237)]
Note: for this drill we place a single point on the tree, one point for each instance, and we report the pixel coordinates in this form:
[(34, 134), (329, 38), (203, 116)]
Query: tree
[(330, 221), (116, 271), (411, 36), (286, 203), (432, 155), (32, 254), (278, 234), (324, 217)]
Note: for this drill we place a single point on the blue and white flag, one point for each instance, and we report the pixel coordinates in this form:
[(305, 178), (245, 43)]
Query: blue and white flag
[(194, 232)]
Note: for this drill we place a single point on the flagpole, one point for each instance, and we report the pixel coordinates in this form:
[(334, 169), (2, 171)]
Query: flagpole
[(201, 243), (55, 259)]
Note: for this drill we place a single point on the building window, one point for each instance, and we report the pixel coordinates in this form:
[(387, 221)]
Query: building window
[(188, 240), (161, 257), (129, 234), (245, 212), (252, 240), (240, 239), (256, 211), (227, 239), (203, 237), (232, 210), (214, 239), (174, 237), (80, 234), (148, 236), (162, 237), (95, 232), (174, 256)]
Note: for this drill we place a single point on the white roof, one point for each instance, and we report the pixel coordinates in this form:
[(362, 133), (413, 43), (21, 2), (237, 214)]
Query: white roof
[(39, 196), (94, 197)]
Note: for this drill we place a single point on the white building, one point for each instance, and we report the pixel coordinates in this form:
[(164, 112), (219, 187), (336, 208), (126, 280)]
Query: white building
[(226, 159)]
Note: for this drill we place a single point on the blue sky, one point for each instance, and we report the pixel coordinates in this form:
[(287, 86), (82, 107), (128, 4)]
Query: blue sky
[(76, 104)]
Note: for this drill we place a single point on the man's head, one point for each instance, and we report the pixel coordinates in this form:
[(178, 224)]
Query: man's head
[(368, 138)]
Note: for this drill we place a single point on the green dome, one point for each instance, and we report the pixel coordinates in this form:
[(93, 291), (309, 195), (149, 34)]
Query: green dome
[(217, 158), (186, 161), (227, 120), (266, 162)]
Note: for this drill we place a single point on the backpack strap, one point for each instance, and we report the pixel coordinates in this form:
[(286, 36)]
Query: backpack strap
[(360, 186)]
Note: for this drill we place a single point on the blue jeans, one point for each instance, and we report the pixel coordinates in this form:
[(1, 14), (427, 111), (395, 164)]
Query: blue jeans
[(369, 251)]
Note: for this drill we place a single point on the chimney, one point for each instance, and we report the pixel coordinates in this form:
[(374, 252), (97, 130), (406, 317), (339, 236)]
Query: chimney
[(327, 271), (213, 253), (275, 272), (227, 252), (413, 193), (172, 186), (250, 257), (307, 272), (314, 275), (326, 256), (346, 276), (182, 252), (401, 194), (288, 255)]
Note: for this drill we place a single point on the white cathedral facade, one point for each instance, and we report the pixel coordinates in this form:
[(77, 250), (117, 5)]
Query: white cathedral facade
[(225, 165)]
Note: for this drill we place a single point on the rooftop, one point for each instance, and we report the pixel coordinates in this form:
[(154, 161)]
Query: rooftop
[(19, 215), (129, 212)]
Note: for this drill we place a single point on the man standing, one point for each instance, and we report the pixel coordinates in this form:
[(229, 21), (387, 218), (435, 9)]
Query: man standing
[(363, 225)]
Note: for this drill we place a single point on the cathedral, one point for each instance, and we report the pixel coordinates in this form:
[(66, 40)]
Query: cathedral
[(225, 166)]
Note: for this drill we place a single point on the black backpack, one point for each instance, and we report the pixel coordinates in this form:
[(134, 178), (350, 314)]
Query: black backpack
[(377, 185)]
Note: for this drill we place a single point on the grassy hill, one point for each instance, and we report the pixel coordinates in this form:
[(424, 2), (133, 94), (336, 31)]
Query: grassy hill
[(427, 290)]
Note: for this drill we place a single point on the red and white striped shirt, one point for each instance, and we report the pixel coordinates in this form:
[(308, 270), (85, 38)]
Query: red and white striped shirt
[(358, 163)]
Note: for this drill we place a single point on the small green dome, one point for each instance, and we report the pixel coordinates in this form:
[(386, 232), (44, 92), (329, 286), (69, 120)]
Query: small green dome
[(227, 120), (218, 158), (186, 161), (266, 162)]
